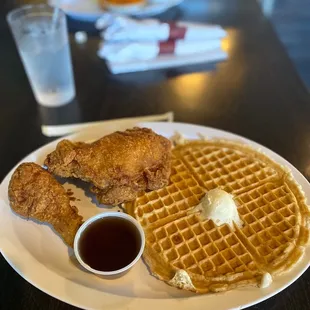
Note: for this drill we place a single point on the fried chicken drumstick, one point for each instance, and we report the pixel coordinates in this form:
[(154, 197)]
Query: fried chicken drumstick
[(35, 194), (118, 165)]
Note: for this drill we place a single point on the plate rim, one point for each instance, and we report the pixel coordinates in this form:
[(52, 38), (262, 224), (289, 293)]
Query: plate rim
[(92, 16), (164, 127)]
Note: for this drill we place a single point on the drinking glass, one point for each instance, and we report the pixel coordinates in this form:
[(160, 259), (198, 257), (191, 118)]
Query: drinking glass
[(41, 36)]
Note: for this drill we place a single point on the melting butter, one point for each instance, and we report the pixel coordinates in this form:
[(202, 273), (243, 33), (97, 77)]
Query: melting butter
[(219, 206), (182, 280), (266, 280)]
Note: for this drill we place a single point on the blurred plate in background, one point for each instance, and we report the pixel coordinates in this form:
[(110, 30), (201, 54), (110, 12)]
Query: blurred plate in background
[(90, 10)]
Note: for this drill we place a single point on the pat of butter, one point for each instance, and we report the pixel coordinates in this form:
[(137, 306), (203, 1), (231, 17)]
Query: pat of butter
[(182, 280), (219, 206), (266, 280)]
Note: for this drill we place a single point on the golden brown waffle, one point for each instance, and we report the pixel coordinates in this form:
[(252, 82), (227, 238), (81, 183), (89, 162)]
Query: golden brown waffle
[(217, 258)]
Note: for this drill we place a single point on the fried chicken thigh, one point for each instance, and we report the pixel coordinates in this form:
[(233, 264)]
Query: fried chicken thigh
[(118, 165), (35, 194)]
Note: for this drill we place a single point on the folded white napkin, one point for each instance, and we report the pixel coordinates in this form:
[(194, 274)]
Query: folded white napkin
[(135, 45), (166, 61), (124, 52), (114, 124), (121, 28)]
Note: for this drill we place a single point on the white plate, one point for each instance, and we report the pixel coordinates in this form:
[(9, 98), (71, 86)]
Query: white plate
[(89, 10), (40, 256)]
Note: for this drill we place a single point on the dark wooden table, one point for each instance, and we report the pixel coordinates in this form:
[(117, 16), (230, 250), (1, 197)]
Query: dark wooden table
[(256, 93)]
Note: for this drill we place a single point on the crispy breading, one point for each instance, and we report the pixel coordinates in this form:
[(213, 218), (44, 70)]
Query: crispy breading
[(118, 165), (35, 194)]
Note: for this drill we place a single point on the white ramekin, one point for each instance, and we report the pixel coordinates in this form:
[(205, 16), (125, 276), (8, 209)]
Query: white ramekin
[(98, 217)]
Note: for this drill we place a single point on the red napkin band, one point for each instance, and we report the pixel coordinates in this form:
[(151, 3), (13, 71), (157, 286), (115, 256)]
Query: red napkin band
[(167, 47), (175, 31)]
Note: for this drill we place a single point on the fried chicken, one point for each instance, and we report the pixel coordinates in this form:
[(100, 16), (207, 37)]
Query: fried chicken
[(118, 165), (35, 194)]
